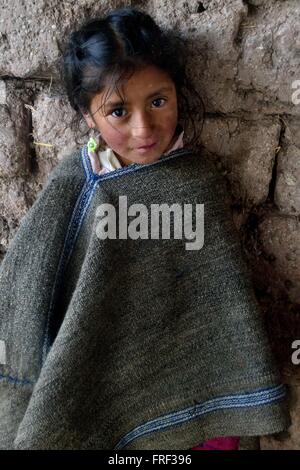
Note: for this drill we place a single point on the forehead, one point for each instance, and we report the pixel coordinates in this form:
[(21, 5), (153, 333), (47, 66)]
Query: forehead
[(146, 76), (140, 83)]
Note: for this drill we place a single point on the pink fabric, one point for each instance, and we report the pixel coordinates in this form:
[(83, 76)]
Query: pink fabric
[(103, 171), (219, 443)]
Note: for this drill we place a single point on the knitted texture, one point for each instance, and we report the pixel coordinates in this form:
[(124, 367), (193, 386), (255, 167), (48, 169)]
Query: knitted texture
[(131, 343)]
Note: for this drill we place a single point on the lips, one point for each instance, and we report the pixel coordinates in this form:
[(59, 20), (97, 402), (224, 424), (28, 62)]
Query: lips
[(146, 146)]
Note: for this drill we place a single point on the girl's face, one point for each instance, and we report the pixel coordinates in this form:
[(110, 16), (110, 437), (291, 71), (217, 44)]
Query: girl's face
[(148, 116)]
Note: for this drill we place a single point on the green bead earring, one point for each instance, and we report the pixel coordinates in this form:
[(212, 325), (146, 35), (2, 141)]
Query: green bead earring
[(92, 144)]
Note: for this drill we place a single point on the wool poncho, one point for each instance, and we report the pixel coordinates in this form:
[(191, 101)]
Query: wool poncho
[(105, 161), (132, 342)]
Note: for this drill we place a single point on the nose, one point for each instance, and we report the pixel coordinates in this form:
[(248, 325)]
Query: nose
[(141, 126)]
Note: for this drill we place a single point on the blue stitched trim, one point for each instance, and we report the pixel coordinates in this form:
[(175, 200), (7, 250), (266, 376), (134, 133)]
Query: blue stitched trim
[(127, 169), (250, 399), (15, 380), (70, 239), (95, 179)]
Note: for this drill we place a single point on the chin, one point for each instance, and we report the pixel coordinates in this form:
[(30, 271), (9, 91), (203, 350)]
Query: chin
[(146, 160)]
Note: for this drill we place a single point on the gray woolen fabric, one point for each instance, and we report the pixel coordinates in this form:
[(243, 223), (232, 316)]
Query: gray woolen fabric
[(131, 344)]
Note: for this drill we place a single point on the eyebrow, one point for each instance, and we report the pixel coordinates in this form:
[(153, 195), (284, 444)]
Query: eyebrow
[(121, 103)]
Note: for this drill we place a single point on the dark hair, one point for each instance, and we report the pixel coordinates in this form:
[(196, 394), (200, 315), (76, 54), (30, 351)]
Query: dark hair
[(114, 47)]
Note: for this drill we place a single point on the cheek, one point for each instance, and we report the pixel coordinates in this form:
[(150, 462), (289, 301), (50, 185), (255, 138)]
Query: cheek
[(169, 123), (114, 137)]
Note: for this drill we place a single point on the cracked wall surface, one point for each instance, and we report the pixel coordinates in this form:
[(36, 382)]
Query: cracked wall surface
[(243, 57)]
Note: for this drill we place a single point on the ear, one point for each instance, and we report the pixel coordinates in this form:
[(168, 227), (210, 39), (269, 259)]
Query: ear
[(88, 119)]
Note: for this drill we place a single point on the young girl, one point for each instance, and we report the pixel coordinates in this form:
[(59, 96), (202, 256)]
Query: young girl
[(118, 342)]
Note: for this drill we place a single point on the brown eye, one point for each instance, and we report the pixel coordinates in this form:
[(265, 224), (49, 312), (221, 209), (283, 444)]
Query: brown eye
[(117, 109), (123, 109), (158, 99)]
